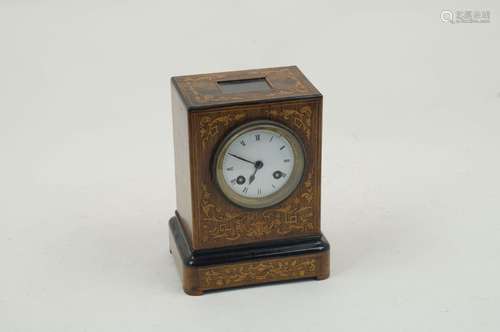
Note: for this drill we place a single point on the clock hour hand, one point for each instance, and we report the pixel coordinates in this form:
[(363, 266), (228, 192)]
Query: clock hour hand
[(240, 158), (252, 177), (258, 165)]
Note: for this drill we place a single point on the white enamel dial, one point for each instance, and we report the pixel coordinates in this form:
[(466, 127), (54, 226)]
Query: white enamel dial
[(260, 165)]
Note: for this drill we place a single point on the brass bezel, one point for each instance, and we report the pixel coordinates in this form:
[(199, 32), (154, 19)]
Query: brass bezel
[(293, 180)]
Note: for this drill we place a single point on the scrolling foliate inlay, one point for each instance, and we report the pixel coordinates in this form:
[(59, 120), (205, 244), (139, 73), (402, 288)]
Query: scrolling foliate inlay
[(258, 272), (220, 225), (295, 217), (301, 118), (204, 89), (211, 126)]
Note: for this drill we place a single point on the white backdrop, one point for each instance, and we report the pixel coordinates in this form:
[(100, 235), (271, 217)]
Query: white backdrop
[(410, 171)]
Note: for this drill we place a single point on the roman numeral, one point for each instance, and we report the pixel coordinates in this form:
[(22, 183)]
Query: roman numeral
[(233, 181), (259, 191), (243, 143), (245, 190), (230, 168), (286, 160), (271, 138), (257, 137), (282, 147)]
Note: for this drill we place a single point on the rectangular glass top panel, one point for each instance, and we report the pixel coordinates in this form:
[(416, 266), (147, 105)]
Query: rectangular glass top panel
[(247, 85)]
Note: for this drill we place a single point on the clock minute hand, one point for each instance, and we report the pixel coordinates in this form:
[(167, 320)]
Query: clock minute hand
[(240, 158)]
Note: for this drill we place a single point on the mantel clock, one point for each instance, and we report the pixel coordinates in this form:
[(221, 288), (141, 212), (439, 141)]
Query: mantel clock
[(248, 178)]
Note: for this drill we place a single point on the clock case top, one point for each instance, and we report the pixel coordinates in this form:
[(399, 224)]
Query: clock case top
[(203, 114), (204, 91)]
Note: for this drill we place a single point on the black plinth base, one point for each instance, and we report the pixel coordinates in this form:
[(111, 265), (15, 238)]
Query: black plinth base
[(270, 261)]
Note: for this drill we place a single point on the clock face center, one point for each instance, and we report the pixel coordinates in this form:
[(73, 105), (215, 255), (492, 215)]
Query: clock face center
[(260, 164), (252, 161)]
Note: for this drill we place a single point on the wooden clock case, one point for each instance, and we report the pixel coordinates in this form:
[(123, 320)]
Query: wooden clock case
[(217, 244)]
